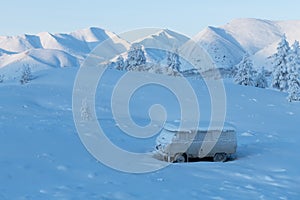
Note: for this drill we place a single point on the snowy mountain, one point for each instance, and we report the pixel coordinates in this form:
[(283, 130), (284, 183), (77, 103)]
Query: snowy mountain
[(45, 50), (163, 38), (227, 44), (224, 50), (17, 44)]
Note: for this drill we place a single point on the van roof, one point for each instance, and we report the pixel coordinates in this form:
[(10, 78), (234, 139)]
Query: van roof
[(202, 126)]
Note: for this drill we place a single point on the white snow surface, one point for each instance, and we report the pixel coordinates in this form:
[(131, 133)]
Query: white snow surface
[(42, 157)]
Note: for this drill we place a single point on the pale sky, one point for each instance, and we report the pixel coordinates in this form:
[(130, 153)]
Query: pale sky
[(185, 16)]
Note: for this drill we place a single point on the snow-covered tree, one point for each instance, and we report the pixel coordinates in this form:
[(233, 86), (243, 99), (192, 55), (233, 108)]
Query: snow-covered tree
[(136, 57), (85, 111), (293, 73), (119, 64), (173, 61), (245, 72), (293, 85), (294, 57), (232, 71), (1, 78), (280, 60), (26, 75), (261, 79), (296, 48)]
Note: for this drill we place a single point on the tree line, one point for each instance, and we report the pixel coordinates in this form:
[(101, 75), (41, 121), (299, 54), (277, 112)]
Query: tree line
[(285, 74)]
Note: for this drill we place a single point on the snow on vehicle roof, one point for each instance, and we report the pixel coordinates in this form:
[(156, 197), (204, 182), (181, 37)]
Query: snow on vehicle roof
[(202, 126)]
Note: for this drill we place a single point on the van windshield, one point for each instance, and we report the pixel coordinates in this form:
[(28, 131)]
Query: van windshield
[(165, 137)]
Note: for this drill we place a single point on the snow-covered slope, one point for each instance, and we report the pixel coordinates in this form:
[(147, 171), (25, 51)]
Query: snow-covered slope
[(254, 34), (37, 59), (16, 44), (54, 50), (157, 42), (227, 44), (41, 156), (164, 38), (224, 50)]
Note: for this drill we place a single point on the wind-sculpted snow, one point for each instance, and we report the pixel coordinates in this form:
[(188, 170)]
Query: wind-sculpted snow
[(42, 157)]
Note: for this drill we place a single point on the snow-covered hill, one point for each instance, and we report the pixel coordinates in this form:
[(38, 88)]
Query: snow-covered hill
[(39, 58), (225, 45), (163, 38), (42, 157), (224, 50), (46, 50)]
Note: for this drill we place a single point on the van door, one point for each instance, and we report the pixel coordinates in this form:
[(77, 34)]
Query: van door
[(195, 147), (207, 144)]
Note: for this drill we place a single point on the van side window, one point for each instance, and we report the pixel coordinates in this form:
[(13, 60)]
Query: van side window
[(217, 135), (200, 135), (179, 136)]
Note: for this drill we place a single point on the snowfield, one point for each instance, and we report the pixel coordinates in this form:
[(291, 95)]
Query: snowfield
[(42, 157)]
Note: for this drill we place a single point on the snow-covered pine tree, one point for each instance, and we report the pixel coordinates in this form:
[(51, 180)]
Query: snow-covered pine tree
[(293, 85), (136, 57), (280, 60), (119, 64), (293, 73), (173, 61), (261, 79), (245, 72), (26, 75), (294, 56), (1, 78), (232, 71), (85, 111)]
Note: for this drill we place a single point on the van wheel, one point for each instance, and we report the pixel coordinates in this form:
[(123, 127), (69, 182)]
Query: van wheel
[(180, 158), (220, 157)]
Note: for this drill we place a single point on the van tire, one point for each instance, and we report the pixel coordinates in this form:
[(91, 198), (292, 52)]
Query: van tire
[(180, 158), (220, 157)]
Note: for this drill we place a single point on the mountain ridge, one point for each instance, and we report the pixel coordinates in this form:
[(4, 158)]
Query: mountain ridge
[(225, 45), (258, 37)]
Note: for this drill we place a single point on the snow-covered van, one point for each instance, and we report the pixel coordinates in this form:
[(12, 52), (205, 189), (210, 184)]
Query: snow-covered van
[(180, 144)]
